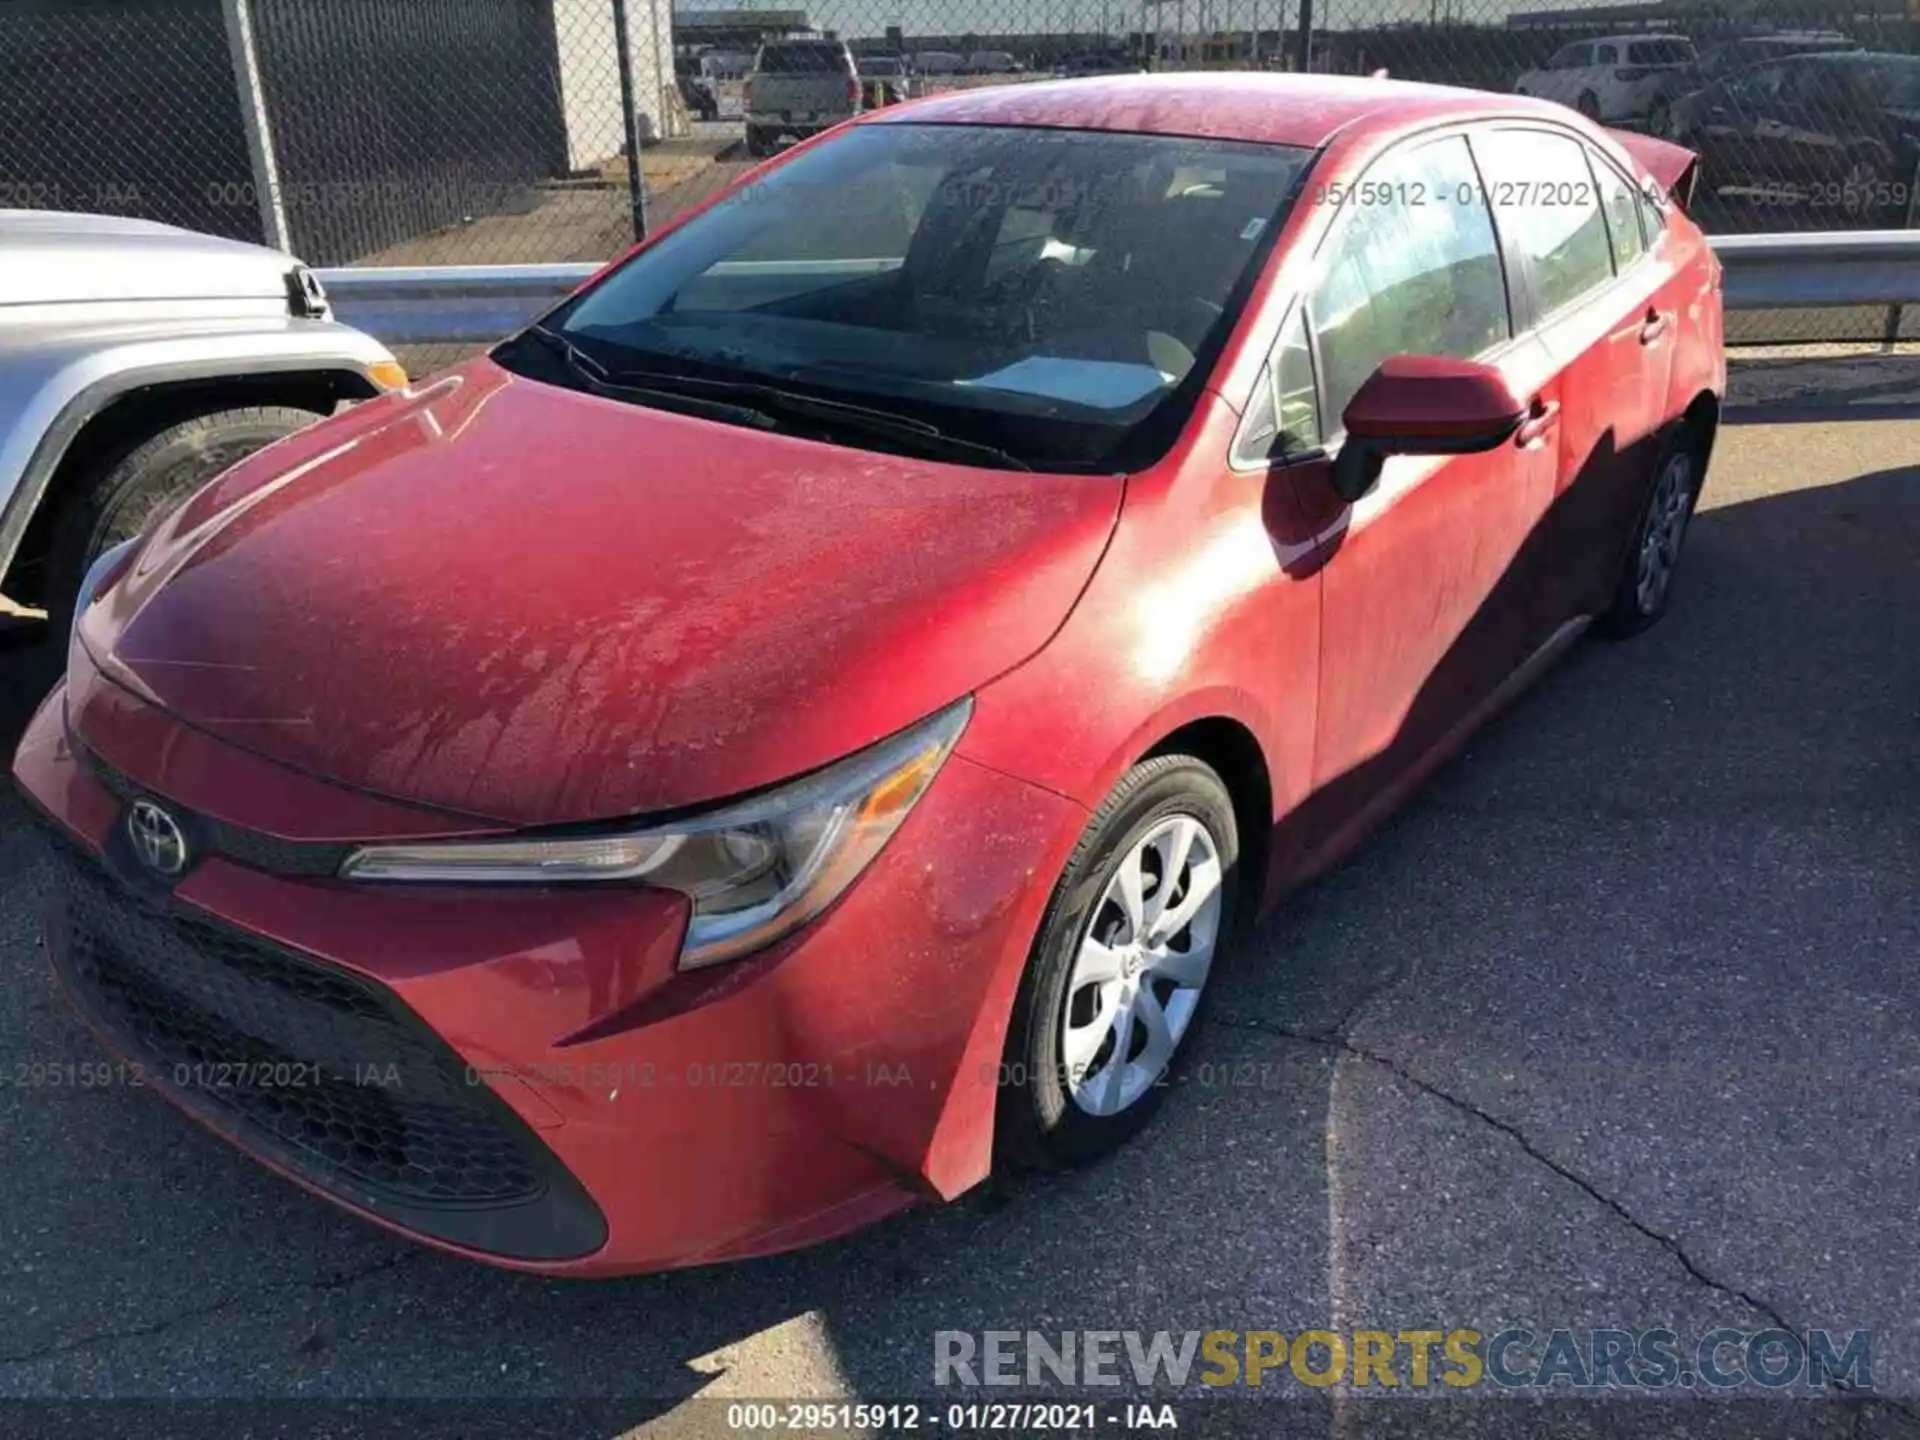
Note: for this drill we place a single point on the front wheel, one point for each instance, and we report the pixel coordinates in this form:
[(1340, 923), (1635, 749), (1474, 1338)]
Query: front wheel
[(1588, 105), (120, 497), (1646, 582), (1114, 987)]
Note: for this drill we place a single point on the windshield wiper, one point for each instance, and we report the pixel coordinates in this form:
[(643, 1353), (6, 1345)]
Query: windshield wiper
[(600, 381), (769, 400)]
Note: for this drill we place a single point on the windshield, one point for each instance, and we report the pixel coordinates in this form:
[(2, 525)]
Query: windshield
[(801, 59), (880, 67), (1056, 295)]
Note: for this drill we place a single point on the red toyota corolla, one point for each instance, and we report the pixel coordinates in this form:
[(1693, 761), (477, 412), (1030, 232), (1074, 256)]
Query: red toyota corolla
[(812, 714)]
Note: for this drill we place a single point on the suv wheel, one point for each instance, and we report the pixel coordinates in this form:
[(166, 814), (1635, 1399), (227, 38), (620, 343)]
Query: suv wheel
[(118, 499)]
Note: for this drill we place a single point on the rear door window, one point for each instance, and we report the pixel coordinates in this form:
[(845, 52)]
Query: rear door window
[(1659, 52), (802, 60), (1548, 205)]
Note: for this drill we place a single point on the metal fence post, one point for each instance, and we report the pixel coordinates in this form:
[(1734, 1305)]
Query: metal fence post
[(1306, 36), (636, 184), (1897, 313), (254, 120)]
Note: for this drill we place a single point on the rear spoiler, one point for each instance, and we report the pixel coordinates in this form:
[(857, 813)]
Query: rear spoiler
[(1673, 167)]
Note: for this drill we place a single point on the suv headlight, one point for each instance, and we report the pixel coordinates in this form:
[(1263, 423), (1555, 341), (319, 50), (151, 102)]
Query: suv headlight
[(755, 870)]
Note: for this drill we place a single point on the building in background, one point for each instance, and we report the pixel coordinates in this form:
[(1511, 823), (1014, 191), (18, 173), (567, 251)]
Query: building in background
[(337, 130)]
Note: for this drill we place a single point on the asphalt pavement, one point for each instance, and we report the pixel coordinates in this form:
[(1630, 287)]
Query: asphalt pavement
[(1617, 1025)]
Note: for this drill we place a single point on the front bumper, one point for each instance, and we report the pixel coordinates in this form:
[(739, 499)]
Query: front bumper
[(525, 1077)]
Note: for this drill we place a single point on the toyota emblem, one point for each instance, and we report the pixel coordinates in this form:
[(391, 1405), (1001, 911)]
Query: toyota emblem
[(157, 838)]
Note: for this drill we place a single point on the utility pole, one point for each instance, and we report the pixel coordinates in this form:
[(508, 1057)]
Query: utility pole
[(636, 185)]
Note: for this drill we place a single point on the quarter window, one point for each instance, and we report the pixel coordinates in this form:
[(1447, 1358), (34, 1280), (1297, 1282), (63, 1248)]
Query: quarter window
[(1283, 417), (1546, 200), (1622, 204), (1296, 398), (1414, 271)]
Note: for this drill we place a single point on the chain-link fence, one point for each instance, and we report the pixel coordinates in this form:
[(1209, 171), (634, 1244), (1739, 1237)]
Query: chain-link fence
[(390, 132)]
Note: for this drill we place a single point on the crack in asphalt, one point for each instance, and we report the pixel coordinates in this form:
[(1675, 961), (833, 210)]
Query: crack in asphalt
[(324, 1285), (1335, 1038)]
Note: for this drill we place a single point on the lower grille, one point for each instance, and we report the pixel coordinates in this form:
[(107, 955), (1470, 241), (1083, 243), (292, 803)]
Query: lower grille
[(315, 1067)]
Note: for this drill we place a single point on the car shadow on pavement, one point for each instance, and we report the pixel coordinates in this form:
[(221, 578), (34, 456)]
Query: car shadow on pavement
[(1351, 1075)]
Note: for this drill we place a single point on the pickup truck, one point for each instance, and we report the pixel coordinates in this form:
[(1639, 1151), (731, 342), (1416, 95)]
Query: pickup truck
[(138, 361), (799, 88)]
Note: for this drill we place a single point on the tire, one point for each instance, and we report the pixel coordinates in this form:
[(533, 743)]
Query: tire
[(1060, 1103), (1588, 105), (757, 146), (1641, 597), (120, 496)]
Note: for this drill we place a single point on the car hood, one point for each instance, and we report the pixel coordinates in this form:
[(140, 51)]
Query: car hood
[(50, 256), (524, 604)]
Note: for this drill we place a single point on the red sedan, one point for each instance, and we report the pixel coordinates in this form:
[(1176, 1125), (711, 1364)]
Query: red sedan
[(813, 714)]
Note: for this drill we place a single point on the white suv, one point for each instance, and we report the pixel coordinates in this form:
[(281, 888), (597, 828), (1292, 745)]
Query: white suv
[(1617, 77)]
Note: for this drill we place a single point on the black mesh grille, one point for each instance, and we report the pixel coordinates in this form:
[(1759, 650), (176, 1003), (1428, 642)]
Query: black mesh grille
[(316, 1067)]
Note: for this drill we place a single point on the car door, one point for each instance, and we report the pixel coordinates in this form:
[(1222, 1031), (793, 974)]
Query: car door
[(1605, 306), (1419, 620)]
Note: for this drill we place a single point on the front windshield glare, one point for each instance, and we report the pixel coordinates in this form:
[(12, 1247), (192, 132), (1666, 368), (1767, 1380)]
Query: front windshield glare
[(1055, 294)]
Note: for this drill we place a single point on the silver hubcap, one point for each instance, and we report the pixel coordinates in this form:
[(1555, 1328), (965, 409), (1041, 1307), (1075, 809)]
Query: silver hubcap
[(1666, 527), (1141, 966)]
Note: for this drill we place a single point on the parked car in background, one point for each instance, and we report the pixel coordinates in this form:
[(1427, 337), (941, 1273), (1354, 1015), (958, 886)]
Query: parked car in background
[(138, 361), (937, 62), (884, 79), (696, 89), (1835, 132), (812, 716), (798, 88), (1729, 57), (1093, 62), (1617, 78), (1718, 62), (992, 62)]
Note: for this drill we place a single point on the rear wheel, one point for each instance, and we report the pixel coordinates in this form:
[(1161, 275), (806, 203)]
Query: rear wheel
[(119, 498), (1114, 988), (1588, 105), (1646, 581)]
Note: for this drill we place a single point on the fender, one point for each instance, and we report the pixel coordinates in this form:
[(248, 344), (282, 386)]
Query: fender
[(56, 378)]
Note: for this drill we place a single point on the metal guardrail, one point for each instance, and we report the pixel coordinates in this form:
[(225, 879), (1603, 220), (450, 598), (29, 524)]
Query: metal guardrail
[(475, 304)]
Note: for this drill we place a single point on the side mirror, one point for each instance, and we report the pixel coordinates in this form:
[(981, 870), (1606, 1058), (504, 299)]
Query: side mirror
[(1422, 405)]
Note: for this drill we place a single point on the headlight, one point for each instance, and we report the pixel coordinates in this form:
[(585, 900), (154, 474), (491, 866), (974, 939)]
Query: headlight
[(755, 870)]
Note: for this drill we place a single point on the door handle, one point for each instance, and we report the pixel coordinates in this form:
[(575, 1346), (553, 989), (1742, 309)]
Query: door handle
[(1652, 328), (1539, 423)]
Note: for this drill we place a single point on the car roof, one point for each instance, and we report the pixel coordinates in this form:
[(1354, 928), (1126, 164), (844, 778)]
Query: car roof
[(1277, 109), (1848, 57), (1640, 35)]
